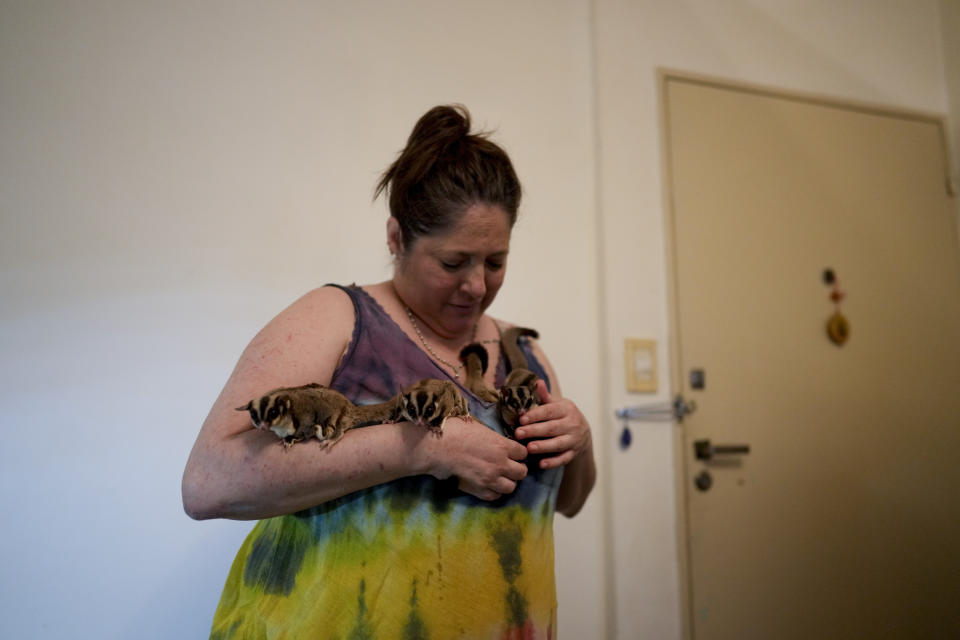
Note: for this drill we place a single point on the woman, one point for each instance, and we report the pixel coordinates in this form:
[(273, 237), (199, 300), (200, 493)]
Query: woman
[(396, 532)]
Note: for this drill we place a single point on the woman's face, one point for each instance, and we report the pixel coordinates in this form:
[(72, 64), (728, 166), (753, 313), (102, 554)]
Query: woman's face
[(449, 279)]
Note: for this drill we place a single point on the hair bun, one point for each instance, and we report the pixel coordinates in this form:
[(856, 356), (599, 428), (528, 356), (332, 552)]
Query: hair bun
[(436, 132), (443, 170)]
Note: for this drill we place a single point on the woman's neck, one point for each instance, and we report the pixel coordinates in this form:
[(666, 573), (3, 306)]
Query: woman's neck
[(445, 350)]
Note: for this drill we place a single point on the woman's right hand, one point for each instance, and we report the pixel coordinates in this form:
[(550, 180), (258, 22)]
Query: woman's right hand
[(486, 464)]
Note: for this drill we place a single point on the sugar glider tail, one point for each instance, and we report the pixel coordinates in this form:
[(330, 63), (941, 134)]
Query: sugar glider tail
[(511, 348), (478, 350)]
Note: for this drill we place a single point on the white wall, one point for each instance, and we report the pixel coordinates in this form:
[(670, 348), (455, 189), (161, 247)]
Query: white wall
[(882, 52), (171, 175)]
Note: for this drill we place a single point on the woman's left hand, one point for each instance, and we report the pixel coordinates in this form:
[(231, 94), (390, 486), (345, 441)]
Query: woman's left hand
[(557, 427)]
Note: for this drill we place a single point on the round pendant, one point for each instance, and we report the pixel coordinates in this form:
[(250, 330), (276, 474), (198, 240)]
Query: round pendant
[(838, 329)]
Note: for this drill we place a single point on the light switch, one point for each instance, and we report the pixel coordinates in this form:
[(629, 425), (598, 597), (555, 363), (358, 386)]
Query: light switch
[(698, 379)]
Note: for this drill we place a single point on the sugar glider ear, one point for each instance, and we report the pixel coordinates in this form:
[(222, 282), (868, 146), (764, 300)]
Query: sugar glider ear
[(246, 407)]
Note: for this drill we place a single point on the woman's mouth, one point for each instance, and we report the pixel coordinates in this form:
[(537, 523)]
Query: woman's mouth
[(464, 308)]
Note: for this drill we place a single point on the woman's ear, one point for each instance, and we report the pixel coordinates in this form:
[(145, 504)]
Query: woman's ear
[(394, 237)]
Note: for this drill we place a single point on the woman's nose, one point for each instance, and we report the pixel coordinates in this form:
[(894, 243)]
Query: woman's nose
[(475, 283)]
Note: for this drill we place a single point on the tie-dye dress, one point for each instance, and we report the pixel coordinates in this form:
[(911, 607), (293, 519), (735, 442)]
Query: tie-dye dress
[(411, 559)]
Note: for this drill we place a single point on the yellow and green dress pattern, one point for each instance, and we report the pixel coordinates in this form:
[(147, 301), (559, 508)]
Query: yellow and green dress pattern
[(413, 559)]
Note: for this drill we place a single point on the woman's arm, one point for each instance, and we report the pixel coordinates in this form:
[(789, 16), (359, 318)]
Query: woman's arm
[(561, 429), (238, 472)]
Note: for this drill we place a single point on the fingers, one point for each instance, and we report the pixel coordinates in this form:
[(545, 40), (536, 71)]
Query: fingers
[(501, 487), (494, 470), (556, 410), (517, 471), (537, 430), (504, 486), (543, 393), (551, 445), (483, 494), (516, 451), (555, 429), (561, 460), (497, 482), (564, 448), (544, 422)]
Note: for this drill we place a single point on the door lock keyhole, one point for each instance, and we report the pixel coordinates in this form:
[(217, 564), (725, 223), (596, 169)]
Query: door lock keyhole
[(703, 481)]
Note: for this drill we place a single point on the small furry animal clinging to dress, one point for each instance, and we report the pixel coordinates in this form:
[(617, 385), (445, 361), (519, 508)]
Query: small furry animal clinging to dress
[(313, 410), (519, 391)]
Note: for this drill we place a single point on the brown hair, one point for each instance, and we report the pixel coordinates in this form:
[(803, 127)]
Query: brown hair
[(443, 170)]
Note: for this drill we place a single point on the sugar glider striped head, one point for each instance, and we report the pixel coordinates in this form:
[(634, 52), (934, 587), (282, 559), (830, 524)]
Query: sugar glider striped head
[(517, 396), (272, 411), (430, 402), (276, 412)]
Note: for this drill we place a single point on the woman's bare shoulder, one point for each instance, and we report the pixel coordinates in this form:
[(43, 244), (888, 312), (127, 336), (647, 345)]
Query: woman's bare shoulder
[(300, 345), (304, 342), (331, 304)]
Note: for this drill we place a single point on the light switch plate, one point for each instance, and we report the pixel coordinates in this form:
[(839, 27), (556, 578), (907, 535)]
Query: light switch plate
[(640, 356)]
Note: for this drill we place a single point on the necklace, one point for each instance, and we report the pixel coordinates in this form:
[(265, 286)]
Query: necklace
[(456, 368)]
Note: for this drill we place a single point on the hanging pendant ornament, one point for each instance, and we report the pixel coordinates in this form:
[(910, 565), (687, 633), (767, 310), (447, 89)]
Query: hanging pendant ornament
[(625, 437), (838, 327)]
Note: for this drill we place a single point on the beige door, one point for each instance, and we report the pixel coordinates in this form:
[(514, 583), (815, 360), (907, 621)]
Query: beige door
[(843, 521)]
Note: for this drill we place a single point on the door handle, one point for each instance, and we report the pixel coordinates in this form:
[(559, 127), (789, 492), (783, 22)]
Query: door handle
[(705, 450)]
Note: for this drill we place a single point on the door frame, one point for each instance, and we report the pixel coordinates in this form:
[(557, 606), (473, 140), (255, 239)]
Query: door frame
[(664, 76)]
